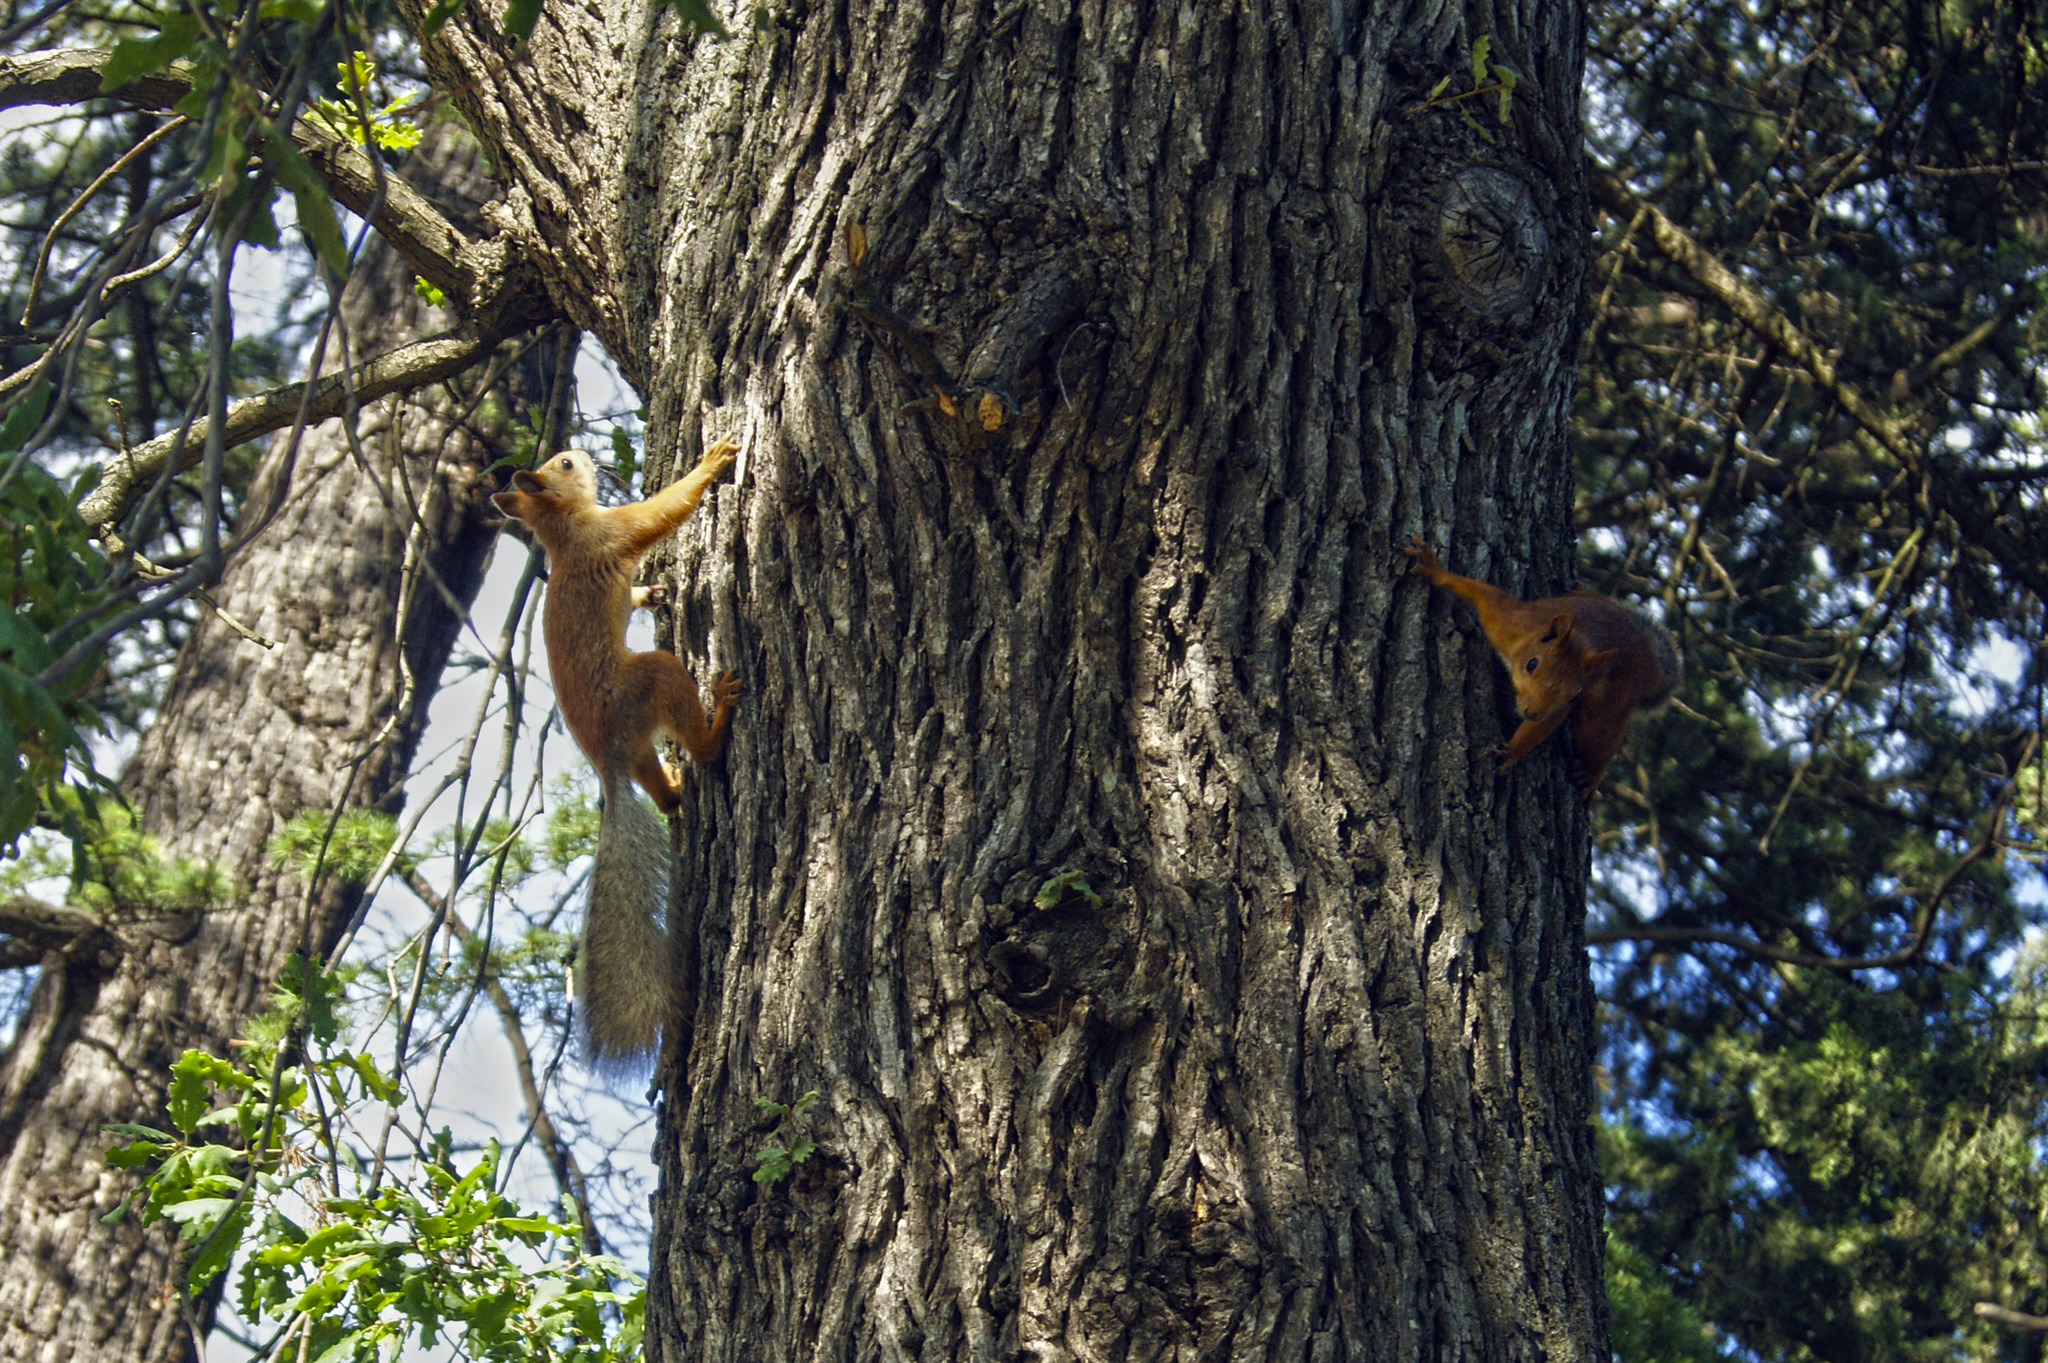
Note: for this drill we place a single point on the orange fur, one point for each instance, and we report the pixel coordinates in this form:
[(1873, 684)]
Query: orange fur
[(1581, 657), (616, 701)]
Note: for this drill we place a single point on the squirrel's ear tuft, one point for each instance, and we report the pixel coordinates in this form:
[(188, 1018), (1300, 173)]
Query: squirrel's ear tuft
[(511, 503), (526, 482), (1560, 627)]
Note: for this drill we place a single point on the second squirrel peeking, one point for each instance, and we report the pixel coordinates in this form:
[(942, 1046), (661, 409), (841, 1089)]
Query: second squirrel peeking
[(1580, 656), (616, 702)]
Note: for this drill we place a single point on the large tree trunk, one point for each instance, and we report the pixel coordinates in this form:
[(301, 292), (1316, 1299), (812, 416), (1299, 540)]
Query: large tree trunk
[(1215, 316), (246, 738)]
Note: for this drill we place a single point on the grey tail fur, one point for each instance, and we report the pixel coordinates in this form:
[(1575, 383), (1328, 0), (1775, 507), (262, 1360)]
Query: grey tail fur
[(625, 992), (1667, 658)]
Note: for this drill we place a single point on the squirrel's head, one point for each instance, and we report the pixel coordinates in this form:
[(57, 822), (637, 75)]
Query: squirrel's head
[(1552, 668), (565, 483)]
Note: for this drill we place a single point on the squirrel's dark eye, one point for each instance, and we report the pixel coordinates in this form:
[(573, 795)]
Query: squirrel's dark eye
[(567, 462), (1529, 666)]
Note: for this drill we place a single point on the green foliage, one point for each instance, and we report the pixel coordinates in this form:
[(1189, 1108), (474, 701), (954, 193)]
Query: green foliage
[(1056, 887), (1650, 1323), (304, 988), (524, 440), (2030, 806), (520, 17), (239, 128), (788, 1145), (528, 966), (625, 460), (355, 1266), (572, 825), (360, 839), (438, 15), (500, 839), (53, 574), (391, 123), (1880, 1174), (1824, 1163), (119, 869), (176, 36), (128, 869), (309, 194), (1502, 87)]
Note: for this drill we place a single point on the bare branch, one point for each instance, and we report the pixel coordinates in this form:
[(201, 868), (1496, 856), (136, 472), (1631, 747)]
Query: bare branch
[(1677, 935), (399, 371), (2005, 1315), (1757, 311), (560, 1157)]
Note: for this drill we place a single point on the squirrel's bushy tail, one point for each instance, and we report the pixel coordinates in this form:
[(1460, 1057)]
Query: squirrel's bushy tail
[(1668, 659), (624, 993)]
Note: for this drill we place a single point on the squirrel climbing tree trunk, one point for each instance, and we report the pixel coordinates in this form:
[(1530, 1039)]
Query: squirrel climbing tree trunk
[(246, 738), (1110, 835)]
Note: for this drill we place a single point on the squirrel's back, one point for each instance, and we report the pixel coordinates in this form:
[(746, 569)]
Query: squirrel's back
[(1644, 650)]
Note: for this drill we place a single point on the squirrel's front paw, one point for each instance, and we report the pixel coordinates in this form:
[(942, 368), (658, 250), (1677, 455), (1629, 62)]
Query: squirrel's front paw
[(1418, 549), (726, 689), (719, 457)]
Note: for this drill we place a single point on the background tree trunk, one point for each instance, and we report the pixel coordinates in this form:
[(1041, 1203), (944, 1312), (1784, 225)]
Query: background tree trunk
[(1067, 537), (246, 738)]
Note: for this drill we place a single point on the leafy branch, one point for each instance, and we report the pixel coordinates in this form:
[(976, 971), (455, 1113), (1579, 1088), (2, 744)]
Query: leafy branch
[(788, 1144), (351, 1270), (1502, 84)]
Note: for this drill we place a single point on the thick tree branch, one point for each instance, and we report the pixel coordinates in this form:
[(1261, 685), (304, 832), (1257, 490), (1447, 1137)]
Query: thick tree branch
[(1753, 308), (399, 371), (72, 76), (483, 280), (407, 219), (44, 927)]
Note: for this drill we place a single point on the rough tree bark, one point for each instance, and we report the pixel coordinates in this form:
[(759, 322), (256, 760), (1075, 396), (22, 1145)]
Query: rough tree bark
[(246, 738), (1066, 538)]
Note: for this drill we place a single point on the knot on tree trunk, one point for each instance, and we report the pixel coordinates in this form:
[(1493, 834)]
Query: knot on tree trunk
[(1067, 942), (1494, 244)]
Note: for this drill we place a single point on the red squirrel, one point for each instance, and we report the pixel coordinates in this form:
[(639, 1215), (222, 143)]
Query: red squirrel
[(1581, 655), (615, 703)]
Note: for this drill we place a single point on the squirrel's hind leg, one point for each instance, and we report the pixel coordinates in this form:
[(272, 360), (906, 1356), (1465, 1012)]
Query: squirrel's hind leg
[(662, 783), (1597, 731), (673, 703)]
